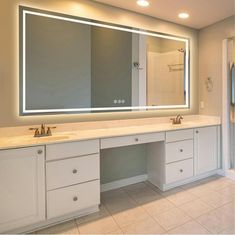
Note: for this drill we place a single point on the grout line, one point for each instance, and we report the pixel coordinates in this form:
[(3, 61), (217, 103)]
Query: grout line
[(110, 214)]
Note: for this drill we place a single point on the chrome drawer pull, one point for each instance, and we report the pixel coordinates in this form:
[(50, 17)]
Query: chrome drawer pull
[(75, 171), (75, 199), (136, 139), (40, 151), (181, 170)]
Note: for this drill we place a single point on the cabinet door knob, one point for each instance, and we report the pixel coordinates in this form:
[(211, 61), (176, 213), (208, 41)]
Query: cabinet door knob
[(75, 171), (136, 139), (197, 132), (75, 199), (181, 170), (181, 150), (40, 151)]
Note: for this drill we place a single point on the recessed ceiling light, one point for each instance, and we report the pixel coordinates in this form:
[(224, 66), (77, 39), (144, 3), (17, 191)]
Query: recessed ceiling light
[(143, 3), (183, 15)]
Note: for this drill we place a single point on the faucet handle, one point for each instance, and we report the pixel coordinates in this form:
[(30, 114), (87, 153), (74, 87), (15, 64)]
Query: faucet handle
[(49, 130), (179, 118), (173, 120), (36, 131)]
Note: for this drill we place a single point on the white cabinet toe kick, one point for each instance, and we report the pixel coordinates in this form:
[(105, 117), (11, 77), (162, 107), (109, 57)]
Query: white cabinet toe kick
[(48, 184)]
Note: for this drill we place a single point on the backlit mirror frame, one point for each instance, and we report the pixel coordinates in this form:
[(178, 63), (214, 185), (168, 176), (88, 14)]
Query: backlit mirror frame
[(24, 111)]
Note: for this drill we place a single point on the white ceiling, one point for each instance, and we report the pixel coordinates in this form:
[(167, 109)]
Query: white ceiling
[(202, 12)]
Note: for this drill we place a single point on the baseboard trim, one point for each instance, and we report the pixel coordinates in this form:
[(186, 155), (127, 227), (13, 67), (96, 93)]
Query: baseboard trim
[(55, 221), (123, 182)]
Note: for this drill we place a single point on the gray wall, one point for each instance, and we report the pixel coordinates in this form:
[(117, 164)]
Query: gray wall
[(58, 59), (111, 67), (121, 163), (210, 63)]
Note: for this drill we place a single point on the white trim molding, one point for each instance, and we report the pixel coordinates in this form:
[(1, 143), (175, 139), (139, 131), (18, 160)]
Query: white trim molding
[(123, 182)]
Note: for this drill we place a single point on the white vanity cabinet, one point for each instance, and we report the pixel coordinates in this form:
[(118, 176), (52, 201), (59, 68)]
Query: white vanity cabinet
[(73, 177), (22, 187), (48, 184), (187, 155), (206, 149)]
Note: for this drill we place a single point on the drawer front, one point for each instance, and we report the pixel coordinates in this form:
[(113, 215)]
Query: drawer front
[(72, 171), (71, 199), (179, 171), (73, 149), (178, 151), (173, 136), (132, 140)]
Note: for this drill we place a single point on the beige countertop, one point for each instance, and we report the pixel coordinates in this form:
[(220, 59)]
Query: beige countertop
[(17, 137)]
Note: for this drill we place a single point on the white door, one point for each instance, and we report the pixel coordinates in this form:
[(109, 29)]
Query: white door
[(22, 187), (205, 149)]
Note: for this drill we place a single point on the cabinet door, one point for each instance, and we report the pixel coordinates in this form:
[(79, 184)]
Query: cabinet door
[(22, 187), (206, 149)]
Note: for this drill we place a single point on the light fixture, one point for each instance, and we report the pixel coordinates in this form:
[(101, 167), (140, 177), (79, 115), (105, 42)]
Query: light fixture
[(143, 3), (183, 15)]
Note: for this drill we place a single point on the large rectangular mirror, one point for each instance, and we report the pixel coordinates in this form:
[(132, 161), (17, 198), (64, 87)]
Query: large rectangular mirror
[(69, 64)]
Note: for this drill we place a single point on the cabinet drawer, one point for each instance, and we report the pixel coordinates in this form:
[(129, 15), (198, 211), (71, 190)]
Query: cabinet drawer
[(73, 149), (173, 136), (180, 150), (179, 171), (72, 171), (132, 140), (71, 199)]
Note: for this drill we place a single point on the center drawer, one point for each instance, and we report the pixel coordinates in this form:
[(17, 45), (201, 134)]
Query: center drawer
[(180, 150), (71, 171), (131, 140)]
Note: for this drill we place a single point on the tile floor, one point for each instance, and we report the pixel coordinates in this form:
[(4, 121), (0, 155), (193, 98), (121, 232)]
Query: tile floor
[(203, 207)]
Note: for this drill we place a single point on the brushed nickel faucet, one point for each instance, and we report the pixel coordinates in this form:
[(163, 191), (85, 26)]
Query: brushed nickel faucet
[(42, 131), (177, 120)]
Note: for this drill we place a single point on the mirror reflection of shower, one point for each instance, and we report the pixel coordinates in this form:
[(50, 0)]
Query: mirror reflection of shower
[(165, 71)]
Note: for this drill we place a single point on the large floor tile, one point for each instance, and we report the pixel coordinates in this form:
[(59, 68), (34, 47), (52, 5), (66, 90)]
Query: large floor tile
[(229, 230), (103, 225), (198, 190), (196, 208), (130, 216), (148, 226), (172, 218), (228, 209), (191, 227), (103, 212), (158, 206), (216, 199), (220, 183), (181, 197), (143, 195), (215, 222), (64, 228), (98, 223), (117, 193), (120, 203)]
